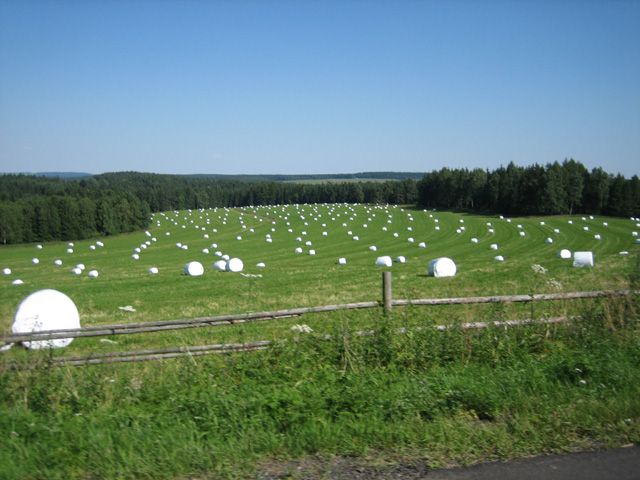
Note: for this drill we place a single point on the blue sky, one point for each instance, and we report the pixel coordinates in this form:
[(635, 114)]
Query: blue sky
[(298, 87)]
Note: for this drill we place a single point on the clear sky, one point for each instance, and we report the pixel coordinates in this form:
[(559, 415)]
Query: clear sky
[(297, 87)]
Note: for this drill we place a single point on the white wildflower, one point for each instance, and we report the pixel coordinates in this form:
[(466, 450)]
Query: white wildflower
[(302, 328), (539, 269), (554, 283)]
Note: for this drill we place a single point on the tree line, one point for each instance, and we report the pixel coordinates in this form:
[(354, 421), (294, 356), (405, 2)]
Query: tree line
[(35, 208), (554, 189)]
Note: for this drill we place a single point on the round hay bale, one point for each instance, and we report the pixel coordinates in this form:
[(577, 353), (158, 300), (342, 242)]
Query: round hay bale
[(384, 261), (564, 253), (342, 261), (135, 256), (373, 248), (235, 265), (58, 262), (17, 281), (549, 240), (35, 261), (442, 267), (494, 246), (76, 271), (93, 273), (312, 252), (6, 271), (401, 259), (46, 310), (422, 245), (194, 269), (153, 270), (499, 258), (220, 265), (583, 259), (474, 240), (260, 265), (298, 250)]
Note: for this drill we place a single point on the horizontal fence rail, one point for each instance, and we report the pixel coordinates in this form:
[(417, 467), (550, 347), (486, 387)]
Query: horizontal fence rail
[(147, 327), (180, 352)]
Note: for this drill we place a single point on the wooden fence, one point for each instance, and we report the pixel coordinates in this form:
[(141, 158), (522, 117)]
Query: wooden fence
[(387, 305)]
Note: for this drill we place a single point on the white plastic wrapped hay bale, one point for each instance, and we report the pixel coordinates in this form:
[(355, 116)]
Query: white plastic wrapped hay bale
[(260, 265), (474, 240), (564, 253), (135, 256), (494, 246), (312, 252), (384, 261), (57, 262), (194, 269), (35, 261), (17, 281), (93, 273), (401, 259), (422, 245), (499, 258), (220, 265), (6, 271), (153, 270), (442, 267), (549, 240), (597, 237), (46, 310), (235, 265), (583, 259), (298, 250), (342, 261), (373, 248), (76, 271)]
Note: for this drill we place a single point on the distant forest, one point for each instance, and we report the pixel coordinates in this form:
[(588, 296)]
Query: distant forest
[(39, 208)]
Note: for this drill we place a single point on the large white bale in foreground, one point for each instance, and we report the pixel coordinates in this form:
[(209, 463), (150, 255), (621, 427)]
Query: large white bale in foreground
[(564, 253), (442, 267), (384, 261), (46, 310), (194, 269), (235, 265), (583, 259)]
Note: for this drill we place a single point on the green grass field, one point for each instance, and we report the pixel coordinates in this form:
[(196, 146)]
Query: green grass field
[(452, 398), (292, 280)]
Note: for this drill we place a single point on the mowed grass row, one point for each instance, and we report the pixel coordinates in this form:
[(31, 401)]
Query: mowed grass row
[(291, 279)]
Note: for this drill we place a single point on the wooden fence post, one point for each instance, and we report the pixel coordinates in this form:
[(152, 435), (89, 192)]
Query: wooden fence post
[(386, 291)]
